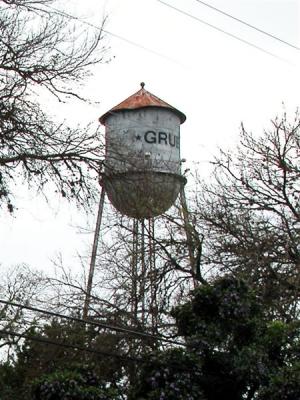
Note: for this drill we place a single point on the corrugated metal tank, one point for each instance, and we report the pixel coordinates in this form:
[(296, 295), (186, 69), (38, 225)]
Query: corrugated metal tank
[(142, 175)]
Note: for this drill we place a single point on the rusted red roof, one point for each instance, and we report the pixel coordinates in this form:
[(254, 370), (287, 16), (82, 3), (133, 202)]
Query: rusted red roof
[(142, 99)]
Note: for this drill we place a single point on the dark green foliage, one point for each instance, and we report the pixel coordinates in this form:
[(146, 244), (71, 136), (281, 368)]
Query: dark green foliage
[(9, 381), (228, 308), (285, 385), (234, 351), (61, 370), (75, 383), (172, 375)]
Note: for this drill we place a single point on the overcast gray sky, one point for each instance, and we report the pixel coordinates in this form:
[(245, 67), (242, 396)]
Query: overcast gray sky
[(216, 80)]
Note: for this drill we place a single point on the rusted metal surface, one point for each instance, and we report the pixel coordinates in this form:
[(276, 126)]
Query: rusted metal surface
[(142, 99), (142, 174)]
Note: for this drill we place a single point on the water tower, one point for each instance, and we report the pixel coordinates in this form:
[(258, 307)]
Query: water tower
[(142, 174)]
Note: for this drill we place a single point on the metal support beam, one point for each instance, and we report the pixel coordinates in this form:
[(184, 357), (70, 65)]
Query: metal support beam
[(94, 255)]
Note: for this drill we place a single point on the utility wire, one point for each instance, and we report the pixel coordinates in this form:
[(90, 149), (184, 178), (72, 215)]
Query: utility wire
[(93, 323), (67, 345), (221, 30), (247, 24), (132, 43), (70, 16)]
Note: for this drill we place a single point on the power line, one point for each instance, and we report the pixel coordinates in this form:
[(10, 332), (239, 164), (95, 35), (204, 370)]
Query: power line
[(69, 346), (138, 45), (247, 24), (93, 323), (131, 42), (221, 30)]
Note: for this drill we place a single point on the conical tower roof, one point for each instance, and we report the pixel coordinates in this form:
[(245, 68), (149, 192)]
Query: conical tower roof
[(142, 99)]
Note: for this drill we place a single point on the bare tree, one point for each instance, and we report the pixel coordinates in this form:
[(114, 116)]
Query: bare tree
[(142, 270), (249, 213), (19, 284), (41, 52)]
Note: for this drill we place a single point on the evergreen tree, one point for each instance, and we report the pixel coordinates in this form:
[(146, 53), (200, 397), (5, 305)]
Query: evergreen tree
[(233, 350)]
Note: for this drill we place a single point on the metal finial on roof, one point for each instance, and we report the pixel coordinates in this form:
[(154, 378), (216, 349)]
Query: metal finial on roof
[(141, 99)]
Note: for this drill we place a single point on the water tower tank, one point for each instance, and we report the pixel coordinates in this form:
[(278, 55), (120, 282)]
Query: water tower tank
[(142, 176)]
